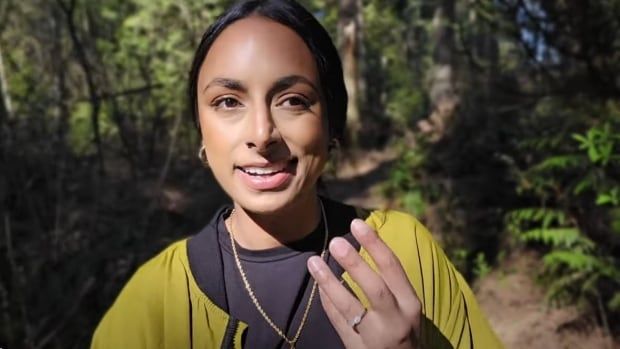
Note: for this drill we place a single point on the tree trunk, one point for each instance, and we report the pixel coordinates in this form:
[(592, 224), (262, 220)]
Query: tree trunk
[(126, 129), (5, 100), (84, 63), (443, 92), (5, 116), (349, 29)]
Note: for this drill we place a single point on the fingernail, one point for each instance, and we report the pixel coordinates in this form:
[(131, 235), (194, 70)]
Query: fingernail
[(339, 247), (314, 266), (360, 226)]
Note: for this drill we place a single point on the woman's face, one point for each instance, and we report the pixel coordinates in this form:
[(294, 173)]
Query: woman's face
[(261, 115)]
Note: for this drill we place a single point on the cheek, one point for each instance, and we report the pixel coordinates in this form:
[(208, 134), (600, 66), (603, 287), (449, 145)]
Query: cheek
[(215, 137), (307, 139)]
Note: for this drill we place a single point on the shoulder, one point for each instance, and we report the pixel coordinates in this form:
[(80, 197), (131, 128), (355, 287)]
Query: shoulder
[(167, 266), (410, 241), (391, 218), (449, 306), (396, 228), (139, 308), (174, 256), (169, 263)]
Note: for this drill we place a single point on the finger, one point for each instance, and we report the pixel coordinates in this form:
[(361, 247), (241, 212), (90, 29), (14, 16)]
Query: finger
[(348, 306), (373, 286), (349, 337), (386, 261)]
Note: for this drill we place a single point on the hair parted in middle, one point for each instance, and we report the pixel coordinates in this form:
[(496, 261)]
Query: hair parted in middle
[(296, 17)]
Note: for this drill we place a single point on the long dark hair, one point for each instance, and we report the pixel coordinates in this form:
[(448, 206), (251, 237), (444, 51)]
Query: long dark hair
[(296, 17)]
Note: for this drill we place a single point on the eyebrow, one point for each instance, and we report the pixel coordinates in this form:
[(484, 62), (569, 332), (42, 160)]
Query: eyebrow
[(227, 83), (288, 81), (280, 85)]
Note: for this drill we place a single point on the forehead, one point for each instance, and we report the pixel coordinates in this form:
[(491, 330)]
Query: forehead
[(256, 49)]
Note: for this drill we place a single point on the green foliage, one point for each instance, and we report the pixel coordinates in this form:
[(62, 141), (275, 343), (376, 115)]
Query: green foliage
[(557, 237), (79, 126), (599, 144), (481, 266), (71, 233), (612, 197), (402, 185), (531, 146), (573, 174), (614, 302), (460, 258), (397, 89)]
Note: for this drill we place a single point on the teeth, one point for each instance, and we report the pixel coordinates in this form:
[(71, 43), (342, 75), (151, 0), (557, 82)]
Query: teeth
[(261, 170)]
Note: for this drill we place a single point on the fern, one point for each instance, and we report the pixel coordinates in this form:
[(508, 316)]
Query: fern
[(575, 267), (536, 215), (557, 237), (614, 302), (562, 287), (573, 260), (587, 182), (559, 162)]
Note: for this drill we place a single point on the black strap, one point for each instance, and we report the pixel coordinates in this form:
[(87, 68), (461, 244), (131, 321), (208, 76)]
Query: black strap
[(205, 261)]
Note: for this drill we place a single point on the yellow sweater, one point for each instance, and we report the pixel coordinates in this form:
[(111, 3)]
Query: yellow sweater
[(163, 307)]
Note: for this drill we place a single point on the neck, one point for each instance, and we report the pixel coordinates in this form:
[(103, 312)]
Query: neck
[(262, 231)]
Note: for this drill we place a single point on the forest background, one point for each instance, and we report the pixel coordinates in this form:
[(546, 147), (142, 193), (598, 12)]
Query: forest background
[(497, 122)]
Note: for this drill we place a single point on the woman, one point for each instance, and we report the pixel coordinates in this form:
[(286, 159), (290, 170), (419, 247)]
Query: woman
[(284, 267)]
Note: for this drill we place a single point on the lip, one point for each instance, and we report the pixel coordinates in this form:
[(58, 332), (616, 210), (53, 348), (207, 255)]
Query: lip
[(264, 167), (266, 176)]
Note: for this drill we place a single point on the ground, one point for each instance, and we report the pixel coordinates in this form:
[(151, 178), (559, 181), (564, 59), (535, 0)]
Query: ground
[(514, 303), (516, 308)]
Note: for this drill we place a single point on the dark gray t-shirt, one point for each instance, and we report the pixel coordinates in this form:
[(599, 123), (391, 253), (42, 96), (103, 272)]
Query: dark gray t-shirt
[(282, 285), (279, 279)]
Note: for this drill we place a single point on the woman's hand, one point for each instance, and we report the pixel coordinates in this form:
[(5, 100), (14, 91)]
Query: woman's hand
[(393, 318)]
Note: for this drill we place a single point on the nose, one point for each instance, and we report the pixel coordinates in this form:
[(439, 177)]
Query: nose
[(263, 133)]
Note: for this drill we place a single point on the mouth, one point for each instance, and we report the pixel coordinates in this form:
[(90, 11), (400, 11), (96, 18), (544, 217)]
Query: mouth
[(268, 176), (268, 169)]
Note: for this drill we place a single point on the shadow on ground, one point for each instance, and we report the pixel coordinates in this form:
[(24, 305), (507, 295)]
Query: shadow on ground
[(359, 183)]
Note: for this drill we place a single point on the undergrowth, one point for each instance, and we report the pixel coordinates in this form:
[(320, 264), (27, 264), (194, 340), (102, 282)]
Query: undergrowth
[(574, 215)]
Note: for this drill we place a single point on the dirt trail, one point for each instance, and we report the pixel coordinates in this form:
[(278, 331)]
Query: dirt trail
[(516, 308), (514, 304)]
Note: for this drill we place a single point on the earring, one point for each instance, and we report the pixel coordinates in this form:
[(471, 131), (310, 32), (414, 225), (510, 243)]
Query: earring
[(202, 155)]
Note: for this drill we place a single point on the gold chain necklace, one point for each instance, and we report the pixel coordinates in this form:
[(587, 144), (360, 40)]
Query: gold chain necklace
[(260, 309)]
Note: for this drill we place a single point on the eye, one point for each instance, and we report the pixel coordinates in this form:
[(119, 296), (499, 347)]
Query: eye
[(226, 103), (296, 102)]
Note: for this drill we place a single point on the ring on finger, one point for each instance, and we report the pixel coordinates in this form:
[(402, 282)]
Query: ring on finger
[(356, 320)]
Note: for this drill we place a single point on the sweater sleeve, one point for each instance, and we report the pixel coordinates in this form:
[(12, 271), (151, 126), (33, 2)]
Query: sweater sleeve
[(139, 318), (451, 315)]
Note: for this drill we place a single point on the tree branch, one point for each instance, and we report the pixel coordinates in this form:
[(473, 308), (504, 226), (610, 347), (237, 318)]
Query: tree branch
[(128, 92), (84, 63)]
